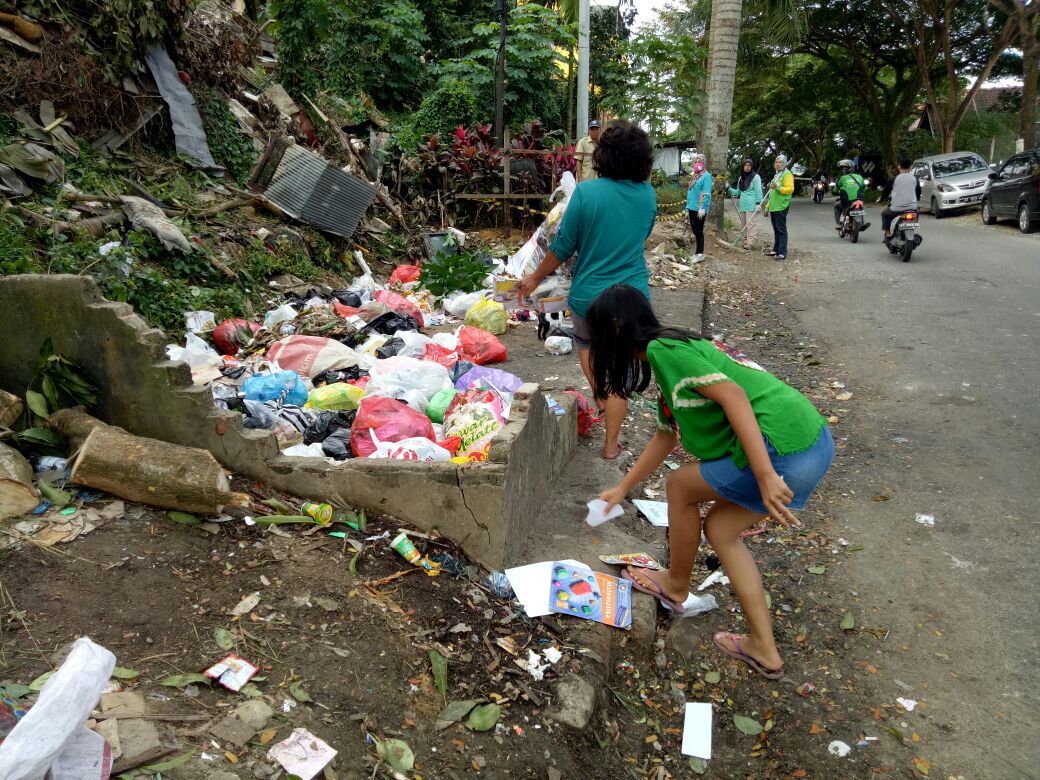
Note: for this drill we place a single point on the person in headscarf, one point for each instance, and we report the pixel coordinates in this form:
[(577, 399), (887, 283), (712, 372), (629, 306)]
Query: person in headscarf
[(698, 201), (749, 191), (778, 204)]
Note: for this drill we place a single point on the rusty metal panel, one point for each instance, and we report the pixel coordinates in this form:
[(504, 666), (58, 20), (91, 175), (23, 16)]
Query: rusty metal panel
[(307, 188)]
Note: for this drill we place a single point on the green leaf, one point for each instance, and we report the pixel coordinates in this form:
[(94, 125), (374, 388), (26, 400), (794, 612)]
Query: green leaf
[(172, 763), (440, 673), (182, 680), (769, 601), (749, 726), (298, 693), (816, 569), (848, 622), (121, 673), (183, 518), (225, 639), (37, 685), (457, 710), (397, 754), (50, 392), (54, 494), (712, 678), (39, 436), (14, 690), (699, 765), (484, 717), (251, 690), (353, 563)]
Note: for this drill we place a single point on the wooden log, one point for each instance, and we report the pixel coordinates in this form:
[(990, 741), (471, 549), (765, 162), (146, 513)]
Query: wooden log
[(11, 408), (151, 472), (74, 424), (17, 494)]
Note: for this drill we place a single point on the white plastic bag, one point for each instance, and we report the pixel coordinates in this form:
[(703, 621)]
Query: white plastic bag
[(204, 361), (531, 253), (364, 285), (414, 343), (413, 448), (200, 321), (558, 345), (51, 738), (409, 380), (457, 304), (450, 341), (284, 313)]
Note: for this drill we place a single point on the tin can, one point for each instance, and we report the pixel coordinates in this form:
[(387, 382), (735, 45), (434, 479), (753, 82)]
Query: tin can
[(320, 512)]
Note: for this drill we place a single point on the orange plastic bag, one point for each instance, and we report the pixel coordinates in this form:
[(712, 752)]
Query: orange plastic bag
[(405, 274), (390, 419), (401, 305), (480, 347)]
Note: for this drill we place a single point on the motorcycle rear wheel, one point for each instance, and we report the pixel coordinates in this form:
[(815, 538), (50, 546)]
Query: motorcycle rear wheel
[(854, 231), (908, 249)]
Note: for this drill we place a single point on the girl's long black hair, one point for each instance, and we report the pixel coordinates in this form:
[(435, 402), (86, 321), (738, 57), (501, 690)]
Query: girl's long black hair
[(621, 323)]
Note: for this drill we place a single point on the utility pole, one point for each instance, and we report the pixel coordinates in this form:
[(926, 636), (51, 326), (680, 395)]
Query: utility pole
[(502, 7), (582, 87)]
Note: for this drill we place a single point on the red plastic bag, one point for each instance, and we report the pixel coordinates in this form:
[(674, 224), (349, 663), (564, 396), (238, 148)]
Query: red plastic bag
[(451, 444), (405, 274), (391, 421), (401, 305), (480, 347), (309, 356), (586, 417), (435, 353), (231, 335), (343, 310)]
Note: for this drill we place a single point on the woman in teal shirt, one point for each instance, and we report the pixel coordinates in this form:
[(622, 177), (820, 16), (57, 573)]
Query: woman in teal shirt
[(606, 224), (698, 201), (749, 190)]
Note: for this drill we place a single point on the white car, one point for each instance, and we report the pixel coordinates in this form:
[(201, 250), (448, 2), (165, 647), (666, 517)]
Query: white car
[(951, 181)]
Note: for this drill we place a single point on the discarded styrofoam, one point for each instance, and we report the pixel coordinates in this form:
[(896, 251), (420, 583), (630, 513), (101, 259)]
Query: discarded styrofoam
[(928, 520)]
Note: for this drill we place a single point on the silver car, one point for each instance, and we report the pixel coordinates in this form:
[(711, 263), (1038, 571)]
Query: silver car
[(951, 181)]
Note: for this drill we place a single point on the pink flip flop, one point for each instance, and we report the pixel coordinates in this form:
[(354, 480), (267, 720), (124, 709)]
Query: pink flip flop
[(658, 594), (740, 655)]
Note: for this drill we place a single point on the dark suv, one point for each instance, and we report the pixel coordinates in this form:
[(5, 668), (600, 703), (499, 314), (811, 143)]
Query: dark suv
[(1014, 192)]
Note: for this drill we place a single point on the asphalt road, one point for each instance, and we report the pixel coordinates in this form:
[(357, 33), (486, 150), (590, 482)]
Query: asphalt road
[(943, 357)]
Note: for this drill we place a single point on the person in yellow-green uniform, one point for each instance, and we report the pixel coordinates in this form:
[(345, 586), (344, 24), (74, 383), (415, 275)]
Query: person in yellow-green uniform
[(583, 153), (778, 203)]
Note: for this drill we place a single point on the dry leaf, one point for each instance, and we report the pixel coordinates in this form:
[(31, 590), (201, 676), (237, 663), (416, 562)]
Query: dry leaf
[(267, 736)]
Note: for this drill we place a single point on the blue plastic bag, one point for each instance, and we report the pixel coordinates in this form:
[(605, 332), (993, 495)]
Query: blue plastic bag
[(285, 387)]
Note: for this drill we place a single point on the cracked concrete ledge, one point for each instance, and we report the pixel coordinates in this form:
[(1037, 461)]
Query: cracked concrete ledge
[(488, 508)]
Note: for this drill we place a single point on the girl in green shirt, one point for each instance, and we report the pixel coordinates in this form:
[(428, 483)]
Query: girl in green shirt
[(762, 449)]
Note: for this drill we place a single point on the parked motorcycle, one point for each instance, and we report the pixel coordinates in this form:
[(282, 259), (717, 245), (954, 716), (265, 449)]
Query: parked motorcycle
[(852, 221), (904, 238), (819, 190)]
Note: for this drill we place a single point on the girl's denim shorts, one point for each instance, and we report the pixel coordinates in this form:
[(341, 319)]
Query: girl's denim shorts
[(802, 471)]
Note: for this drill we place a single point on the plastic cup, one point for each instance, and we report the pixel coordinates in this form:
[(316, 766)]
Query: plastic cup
[(404, 546), (320, 512)]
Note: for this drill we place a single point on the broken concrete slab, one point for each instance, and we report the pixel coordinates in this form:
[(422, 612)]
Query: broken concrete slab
[(242, 723), (490, 509), (576, 702), (131, 739), (123, 704)]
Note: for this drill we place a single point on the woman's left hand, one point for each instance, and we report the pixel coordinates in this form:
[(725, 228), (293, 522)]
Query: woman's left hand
[(776, 495), (528, 284)]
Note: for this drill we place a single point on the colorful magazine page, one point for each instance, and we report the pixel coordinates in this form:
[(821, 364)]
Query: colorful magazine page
[(590, 595)]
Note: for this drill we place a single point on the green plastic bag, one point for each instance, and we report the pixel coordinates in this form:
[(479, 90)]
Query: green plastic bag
[(439, 404), (488, 315), (337, 396)]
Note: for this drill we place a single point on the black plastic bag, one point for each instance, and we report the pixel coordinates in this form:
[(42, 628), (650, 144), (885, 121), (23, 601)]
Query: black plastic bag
[(332, 376), (390, 348), (337, 445), (347, 298), (386, 324), (460, 368), (327, 423)]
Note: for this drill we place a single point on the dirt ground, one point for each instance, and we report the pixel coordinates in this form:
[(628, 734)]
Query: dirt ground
[(154, 592)]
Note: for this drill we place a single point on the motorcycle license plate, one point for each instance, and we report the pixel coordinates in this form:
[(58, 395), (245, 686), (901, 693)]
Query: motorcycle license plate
[(856, 213), (910, 225)]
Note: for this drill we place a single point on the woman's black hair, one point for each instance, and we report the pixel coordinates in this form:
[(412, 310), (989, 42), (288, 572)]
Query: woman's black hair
[(623, 152), (621, 323)]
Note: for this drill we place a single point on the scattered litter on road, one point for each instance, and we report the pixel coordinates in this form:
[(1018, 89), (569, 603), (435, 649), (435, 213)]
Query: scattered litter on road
[(597, 514), (232, 672), (640, 560), (718, 576), (906, 704), (654, 511), (838, 748), (697, 728), (928, 520), (302, 754)]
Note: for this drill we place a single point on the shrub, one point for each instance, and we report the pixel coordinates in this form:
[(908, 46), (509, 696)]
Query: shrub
[(451, 105)]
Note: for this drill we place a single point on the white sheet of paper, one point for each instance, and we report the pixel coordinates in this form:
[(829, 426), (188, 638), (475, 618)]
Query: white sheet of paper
[(696, 735), (597, 517), (656, 511), (531, 584)]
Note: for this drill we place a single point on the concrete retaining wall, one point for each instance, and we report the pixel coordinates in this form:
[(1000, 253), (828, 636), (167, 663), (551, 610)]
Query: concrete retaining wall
[(487, 508)]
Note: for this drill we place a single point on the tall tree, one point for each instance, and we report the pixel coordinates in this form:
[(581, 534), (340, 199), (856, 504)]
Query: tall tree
[(950, 39), (723, 40), (1026, 17)]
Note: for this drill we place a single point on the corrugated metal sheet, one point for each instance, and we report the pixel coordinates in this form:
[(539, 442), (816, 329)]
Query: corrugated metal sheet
[(309, 189)]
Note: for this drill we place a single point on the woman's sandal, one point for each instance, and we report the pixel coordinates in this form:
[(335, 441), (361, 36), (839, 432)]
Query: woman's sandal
[(657, 591), (740, 655), (617, 454)]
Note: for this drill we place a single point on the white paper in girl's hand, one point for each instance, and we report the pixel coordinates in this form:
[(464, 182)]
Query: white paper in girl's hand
[(596, 517)]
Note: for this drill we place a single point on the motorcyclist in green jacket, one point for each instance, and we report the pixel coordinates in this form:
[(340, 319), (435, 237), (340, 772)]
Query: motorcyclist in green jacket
[(850, 188)]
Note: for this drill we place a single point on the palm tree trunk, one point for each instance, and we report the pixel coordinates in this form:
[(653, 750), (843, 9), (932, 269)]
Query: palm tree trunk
[(723, 37), (1030, 65)]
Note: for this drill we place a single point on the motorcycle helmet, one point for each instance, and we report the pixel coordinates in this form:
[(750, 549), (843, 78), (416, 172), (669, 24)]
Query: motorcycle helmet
[(845, 166)]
